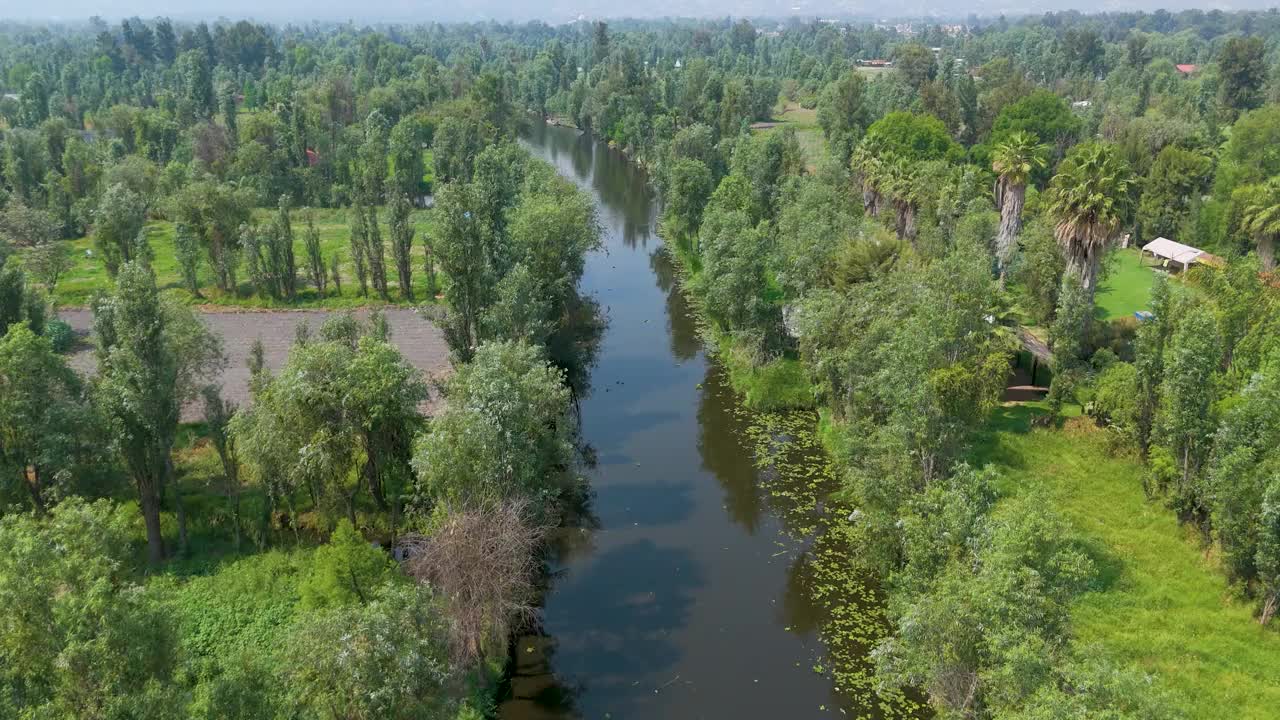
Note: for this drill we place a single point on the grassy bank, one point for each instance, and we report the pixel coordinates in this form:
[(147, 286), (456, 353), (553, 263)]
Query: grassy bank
[(1165, 606), (88, 274)]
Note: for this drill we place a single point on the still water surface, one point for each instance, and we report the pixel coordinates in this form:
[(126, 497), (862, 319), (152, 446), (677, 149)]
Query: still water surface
[(684, 597)]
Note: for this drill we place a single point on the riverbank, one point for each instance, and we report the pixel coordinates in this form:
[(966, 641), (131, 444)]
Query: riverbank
[(780, 384)]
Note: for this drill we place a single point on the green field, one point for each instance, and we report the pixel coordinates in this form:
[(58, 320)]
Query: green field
[(1125, 286), (88, 275), (1163, 604)]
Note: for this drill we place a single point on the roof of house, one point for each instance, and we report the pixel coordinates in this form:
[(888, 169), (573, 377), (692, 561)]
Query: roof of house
[(1176, 251), (1187, 69)]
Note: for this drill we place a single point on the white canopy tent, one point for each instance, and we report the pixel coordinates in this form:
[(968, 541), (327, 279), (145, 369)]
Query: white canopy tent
[(1173, 251)]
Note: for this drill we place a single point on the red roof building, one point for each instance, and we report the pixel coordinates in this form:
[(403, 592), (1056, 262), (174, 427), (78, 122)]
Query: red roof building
[(1187, 69)]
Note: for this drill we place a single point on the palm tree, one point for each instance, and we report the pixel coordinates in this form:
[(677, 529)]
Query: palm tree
[(1087, 200), (1262, 218), (902, 186), (869, 174), (1013, 160)]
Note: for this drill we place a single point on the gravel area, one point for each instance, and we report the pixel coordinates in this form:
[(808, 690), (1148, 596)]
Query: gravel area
[(421, 342)]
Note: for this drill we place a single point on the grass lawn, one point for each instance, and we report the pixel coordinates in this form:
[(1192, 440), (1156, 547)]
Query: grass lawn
[(88, 274), (1125, 286), (1163, 605), (808, 132)]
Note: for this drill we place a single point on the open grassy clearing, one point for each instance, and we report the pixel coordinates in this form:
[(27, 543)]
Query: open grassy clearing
[(1162, 604), (805, 124), (1125, 286), (89, 275)]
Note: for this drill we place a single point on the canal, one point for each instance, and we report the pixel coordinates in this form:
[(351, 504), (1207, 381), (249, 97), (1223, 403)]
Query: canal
[(683, 595)]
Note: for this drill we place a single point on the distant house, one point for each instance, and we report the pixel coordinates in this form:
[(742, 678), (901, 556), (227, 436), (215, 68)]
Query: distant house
[(1082, 104), (877, 63), (1187, 69), (313, 157)]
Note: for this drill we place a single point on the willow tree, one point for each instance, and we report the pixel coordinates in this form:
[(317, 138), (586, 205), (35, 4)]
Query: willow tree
[(1262, 219), (1013, 160), (1087, 201)]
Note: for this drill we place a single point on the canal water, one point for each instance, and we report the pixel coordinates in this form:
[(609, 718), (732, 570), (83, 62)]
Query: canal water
[(683, 595)]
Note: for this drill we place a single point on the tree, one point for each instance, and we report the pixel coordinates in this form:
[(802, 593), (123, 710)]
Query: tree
[(1268, 556), (504, 434), (901, 183), (345, 571), (915, 63), (842, 113), (376, 255), (470, 273), (1261, 218), (78, 637), (119, 227), (26, 162), (405, 152), (150, 356), (599, 41), (196, 99), (44, 418), (217, 419), (689, 187), (284, 270), (1013, 160), (1087, 201), (359, 247), (1044, 115), (214, 212), (186, 250), (315, 257), (914, 138), (345, 406), (401, 230), (1242, 68), (1177, 177), (485, 562), (1184, 421), (732, 282)]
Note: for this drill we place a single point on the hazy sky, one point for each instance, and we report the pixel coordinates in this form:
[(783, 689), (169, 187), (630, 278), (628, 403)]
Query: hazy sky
[(560, 10)]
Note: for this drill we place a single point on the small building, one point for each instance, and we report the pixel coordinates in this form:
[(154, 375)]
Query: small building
[(1187, 69), (1172, 252)]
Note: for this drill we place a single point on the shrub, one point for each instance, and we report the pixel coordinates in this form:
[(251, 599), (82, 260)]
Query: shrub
[(60, 335)]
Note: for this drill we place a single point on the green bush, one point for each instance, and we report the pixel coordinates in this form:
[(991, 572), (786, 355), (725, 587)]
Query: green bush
[(60, 335)]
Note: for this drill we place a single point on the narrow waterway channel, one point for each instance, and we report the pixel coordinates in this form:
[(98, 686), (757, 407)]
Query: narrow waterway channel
[(685, 597)]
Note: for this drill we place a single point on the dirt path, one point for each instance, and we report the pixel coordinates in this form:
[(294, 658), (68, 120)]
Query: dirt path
[(420, 341)]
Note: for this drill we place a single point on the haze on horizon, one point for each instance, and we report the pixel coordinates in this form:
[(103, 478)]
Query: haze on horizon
[(557, 11)]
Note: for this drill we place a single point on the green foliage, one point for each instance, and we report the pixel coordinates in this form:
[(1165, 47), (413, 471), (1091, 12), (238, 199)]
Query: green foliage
[(1243, 70), (347, 408), (395, 645), (842, 114), (505, 433), (1177, 177), (78, 638), (911, 137), (44, 419), (345, 571), (1043, 115)]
